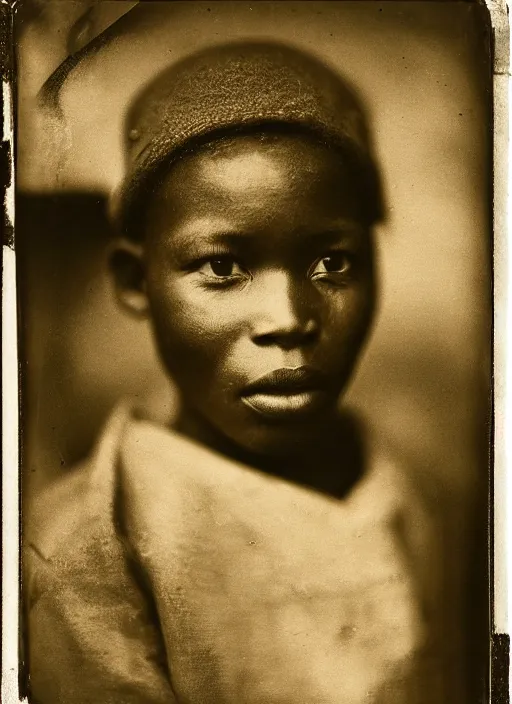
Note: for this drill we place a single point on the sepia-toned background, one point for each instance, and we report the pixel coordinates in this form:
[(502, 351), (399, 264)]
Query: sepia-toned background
[(423, 71)]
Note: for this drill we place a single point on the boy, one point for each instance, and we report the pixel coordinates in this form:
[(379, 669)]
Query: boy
[(263, 549)]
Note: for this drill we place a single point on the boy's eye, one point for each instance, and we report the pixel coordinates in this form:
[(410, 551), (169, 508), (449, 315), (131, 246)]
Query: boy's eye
[(221, 268), (335, 263)]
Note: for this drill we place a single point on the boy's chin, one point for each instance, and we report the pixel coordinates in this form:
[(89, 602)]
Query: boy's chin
[(246, 434), (280, 440)]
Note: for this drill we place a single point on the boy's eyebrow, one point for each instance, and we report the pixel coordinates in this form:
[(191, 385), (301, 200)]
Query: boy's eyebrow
[(338, 229), (216, 230), (222, 232), (331, 234)]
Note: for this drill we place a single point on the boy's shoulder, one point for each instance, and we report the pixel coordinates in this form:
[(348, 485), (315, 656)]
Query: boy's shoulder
[(91, 634), (82, 501), (58, 511)]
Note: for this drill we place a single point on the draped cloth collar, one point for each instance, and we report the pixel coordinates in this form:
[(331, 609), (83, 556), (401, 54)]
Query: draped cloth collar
[(270, 592), (160, 571)]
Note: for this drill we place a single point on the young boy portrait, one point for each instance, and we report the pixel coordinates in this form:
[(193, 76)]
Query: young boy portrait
[(265, 543)]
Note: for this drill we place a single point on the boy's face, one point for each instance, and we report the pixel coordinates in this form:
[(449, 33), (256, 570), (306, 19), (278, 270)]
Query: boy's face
[(259, 280)]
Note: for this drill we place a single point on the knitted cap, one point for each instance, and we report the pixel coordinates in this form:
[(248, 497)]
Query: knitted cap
[(239, 87)]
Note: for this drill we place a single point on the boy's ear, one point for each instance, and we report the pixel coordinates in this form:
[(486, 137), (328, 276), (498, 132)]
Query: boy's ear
[(126, 263)]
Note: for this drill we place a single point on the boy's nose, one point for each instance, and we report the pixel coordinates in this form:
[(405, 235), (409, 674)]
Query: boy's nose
[(284, 315)]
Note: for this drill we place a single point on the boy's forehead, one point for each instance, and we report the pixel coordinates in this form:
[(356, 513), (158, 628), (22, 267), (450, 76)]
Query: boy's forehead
[(253, 185), (243, 170), (249, 161)]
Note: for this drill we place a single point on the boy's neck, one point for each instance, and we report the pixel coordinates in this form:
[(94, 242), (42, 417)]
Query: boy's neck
[(332, 464)]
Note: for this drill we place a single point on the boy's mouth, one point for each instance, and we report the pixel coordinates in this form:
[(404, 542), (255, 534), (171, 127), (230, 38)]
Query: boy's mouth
[(287, 393)]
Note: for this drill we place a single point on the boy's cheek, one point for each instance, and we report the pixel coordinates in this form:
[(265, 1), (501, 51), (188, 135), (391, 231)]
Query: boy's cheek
[(196, 326), (350, 311), (192, 335), (179, 302)]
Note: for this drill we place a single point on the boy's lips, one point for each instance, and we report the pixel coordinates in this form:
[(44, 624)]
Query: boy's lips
[(287, 392)]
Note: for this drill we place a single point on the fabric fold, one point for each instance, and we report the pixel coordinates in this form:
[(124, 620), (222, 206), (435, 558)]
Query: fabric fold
[(161, 572)]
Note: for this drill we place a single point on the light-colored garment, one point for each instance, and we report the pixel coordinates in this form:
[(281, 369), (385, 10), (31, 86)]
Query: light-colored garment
[(160, 572)]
